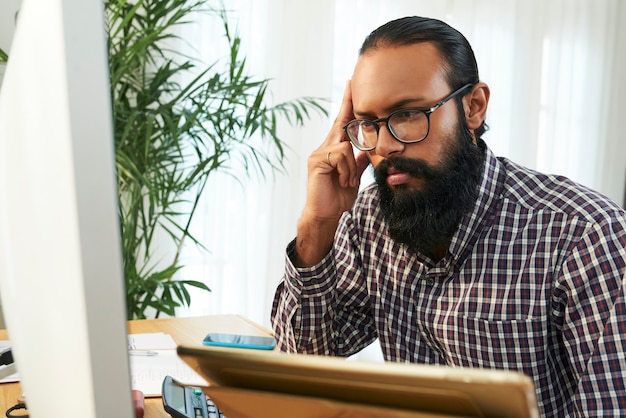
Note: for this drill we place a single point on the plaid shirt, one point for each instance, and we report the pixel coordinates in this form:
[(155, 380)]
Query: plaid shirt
[(533, 281)]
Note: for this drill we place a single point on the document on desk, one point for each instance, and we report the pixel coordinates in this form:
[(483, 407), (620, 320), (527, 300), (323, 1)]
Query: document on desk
[(152, 357)]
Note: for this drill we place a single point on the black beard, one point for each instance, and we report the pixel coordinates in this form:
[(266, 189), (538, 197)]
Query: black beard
[(426, 219)]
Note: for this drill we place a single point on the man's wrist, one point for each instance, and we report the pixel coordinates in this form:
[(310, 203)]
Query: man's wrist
[(314, 241)]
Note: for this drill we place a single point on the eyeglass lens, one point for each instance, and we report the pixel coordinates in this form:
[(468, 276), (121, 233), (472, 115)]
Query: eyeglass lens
[(406, 125), (410, 125)]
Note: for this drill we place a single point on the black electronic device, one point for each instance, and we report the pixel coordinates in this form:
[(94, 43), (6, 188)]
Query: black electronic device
[(182, 401)]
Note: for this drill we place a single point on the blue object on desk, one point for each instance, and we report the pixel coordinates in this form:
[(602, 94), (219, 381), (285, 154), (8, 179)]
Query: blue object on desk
[(240, 341)]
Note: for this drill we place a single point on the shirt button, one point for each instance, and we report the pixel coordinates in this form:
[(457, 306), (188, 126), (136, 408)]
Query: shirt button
[(429, 281), (294, 282)]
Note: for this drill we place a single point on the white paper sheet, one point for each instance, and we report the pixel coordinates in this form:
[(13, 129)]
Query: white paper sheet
[(148, 371)]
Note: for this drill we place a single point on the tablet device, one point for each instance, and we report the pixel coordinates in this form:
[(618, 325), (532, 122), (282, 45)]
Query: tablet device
[(429, 389)]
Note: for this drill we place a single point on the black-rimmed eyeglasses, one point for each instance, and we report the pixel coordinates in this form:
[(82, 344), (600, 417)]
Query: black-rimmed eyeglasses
[(407, 125)]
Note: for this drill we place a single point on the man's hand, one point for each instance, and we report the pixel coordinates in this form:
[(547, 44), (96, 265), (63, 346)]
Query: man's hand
[(334, 175)]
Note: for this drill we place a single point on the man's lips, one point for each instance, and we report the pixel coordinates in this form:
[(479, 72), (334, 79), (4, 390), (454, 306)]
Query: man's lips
[(396, 177)]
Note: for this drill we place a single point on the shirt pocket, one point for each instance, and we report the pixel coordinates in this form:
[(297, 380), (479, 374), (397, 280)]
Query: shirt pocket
[(517, 344)]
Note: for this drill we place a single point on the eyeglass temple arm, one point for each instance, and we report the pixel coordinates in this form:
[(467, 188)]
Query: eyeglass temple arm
[(454, 93)]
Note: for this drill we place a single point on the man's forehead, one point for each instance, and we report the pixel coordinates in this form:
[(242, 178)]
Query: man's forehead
[(386, 75)]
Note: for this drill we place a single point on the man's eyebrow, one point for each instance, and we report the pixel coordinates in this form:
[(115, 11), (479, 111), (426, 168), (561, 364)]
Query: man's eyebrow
[(408, 102)]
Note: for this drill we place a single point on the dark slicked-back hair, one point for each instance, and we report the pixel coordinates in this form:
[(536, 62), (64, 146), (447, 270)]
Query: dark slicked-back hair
[(458, 56)]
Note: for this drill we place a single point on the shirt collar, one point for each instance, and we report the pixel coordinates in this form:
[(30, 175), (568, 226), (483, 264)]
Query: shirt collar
[(487, 202)]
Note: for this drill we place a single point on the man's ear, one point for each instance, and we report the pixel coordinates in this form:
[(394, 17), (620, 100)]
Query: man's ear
[(475, 105)]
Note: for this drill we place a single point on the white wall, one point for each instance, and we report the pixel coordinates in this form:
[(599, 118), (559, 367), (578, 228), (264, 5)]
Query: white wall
[(8, 10)]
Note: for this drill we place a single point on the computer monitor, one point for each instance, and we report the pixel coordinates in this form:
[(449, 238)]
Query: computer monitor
[(61, 278)]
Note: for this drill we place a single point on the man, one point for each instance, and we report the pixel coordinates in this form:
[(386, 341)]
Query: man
[(453, 256)]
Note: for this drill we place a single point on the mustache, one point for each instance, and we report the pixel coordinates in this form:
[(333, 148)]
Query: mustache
[(416, 168)]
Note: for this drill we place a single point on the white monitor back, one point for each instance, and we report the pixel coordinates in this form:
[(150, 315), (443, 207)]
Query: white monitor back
[(60, 261)]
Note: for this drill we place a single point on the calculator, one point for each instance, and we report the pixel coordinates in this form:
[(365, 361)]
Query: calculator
[(181, 401)]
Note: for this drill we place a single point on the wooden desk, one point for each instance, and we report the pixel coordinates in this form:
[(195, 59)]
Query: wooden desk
[(183, 331)]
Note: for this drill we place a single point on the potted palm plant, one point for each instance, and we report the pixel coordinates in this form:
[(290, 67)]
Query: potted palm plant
[(176, 121)]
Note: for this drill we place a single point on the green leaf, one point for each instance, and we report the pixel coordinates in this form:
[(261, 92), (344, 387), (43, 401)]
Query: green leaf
[(176, 121)]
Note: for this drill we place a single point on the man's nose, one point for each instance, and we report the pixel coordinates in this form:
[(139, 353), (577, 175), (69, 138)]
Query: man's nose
[(387, 144)]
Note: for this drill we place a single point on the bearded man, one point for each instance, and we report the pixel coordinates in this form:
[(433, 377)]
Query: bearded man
[(453, 256)]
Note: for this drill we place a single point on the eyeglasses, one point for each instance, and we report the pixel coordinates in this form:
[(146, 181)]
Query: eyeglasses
[(406, 125)]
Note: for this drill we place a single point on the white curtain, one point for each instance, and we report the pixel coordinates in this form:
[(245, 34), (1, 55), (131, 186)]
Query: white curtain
[(556, 71)]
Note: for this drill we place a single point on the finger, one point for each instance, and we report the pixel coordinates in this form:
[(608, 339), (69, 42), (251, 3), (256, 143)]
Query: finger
[(349, 166), (362, 162), (346, 112), (345, 167), (344, 116)]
